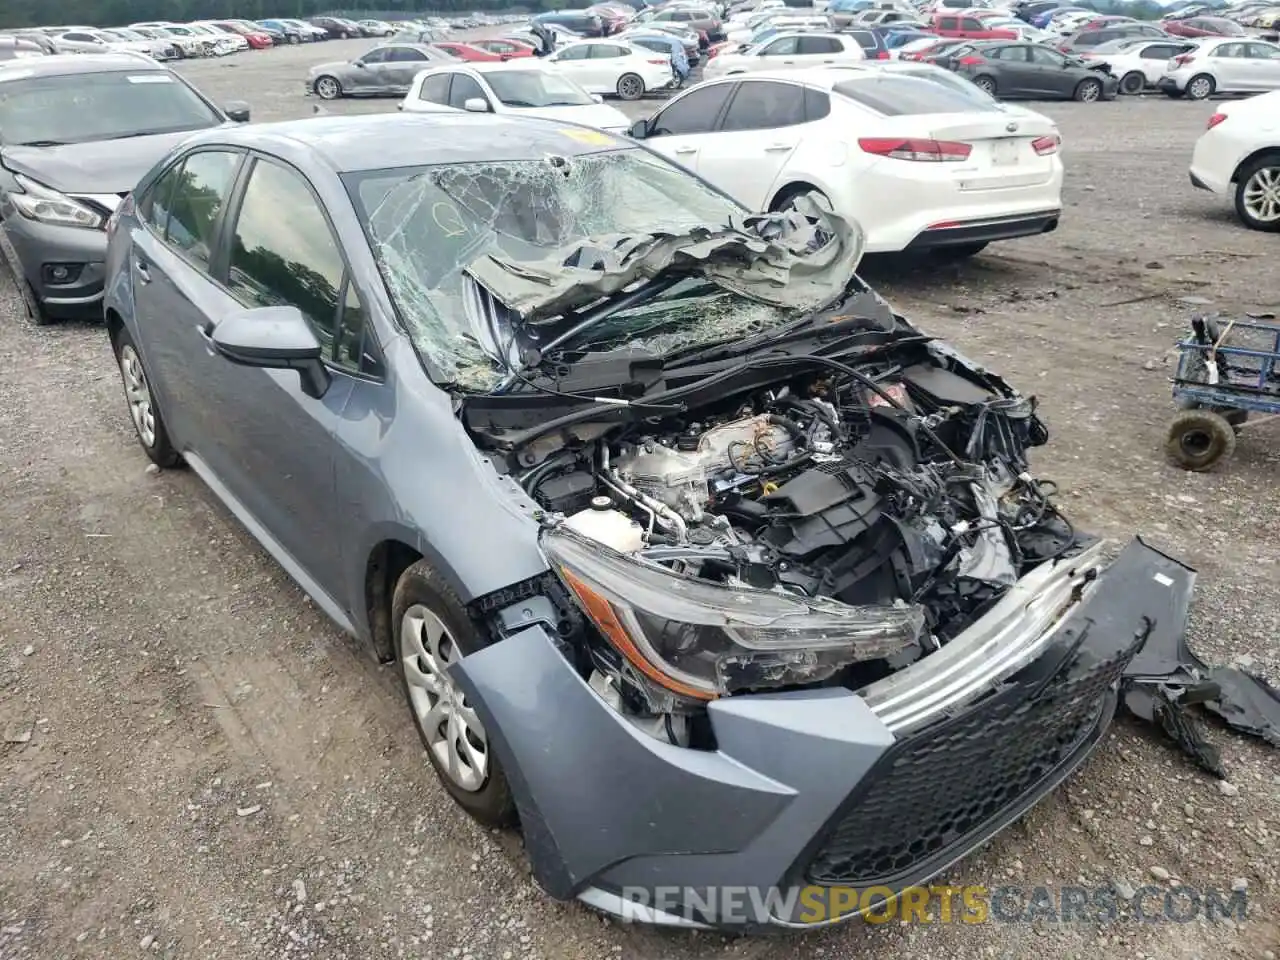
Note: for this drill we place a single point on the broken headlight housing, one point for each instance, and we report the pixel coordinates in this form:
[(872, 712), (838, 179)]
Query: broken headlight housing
[(700, 640)]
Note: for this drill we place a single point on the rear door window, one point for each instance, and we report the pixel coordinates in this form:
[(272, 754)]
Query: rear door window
[(819, 45), (970, 24), (763, 105)]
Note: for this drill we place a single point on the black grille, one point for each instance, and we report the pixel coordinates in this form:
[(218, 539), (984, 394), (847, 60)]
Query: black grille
[(932, 791)]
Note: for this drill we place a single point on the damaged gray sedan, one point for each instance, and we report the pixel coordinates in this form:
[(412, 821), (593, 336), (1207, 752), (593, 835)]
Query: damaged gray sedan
[(697, 561)]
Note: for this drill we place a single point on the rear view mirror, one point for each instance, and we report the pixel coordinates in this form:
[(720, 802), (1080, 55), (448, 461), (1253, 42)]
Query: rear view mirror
[(274, 338), (640, 129), (476, 105), (237, 110)]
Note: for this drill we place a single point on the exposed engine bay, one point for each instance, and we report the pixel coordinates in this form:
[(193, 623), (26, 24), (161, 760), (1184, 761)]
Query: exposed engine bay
[(900, 484)]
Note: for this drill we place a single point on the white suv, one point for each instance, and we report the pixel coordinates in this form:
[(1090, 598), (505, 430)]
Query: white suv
[(1226, 65)]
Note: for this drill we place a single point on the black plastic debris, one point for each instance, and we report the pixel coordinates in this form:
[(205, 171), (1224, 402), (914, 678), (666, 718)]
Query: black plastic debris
[(1165, 680)]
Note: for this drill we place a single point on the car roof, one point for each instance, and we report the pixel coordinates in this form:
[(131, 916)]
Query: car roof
[(389, 140), (75, 64)]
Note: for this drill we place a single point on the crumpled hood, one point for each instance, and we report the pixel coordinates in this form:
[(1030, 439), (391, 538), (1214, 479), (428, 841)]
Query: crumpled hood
[(113, 166), (775, 258)]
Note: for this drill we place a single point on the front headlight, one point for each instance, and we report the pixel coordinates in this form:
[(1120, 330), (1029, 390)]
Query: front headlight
[(38, 202), (702, 640)]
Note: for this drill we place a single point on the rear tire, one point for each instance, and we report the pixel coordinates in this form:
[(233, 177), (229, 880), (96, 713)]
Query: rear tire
[(1088, 91), (1133, 83), (1200, 87), (630, 87), (1198, 439), (1255, 182), (433, 630)]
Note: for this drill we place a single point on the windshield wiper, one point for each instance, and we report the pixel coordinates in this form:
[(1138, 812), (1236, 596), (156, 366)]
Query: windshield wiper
[(519, 103), (41, 143)]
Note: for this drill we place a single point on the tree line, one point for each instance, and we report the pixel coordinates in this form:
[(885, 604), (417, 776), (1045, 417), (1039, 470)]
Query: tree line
[(107, 13)]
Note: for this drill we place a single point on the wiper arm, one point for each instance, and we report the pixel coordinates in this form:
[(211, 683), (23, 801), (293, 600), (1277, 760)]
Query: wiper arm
[(595, 315), (41, 143)]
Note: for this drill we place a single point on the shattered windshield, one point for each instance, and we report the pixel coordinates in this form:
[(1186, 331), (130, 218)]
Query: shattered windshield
[(536, 88), (428, 224)]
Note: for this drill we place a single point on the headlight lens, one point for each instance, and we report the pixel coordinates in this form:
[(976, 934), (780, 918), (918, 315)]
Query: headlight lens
[(702, 640), (47, 205)]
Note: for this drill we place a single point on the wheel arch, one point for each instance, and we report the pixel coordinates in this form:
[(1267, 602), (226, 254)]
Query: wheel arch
[(114, 324), (790, 189), (386, 561), (1256, 155)]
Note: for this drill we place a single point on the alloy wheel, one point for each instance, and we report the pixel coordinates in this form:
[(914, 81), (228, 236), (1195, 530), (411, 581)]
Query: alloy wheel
[(138, 392), (630, 88), (453, 732), (1200, 88), (1089, 92), (1261, 195), (327, 88)]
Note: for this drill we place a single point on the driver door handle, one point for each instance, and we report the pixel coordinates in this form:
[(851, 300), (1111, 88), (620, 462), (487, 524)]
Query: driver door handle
[(775, 147), (144, 270), (686, 150)]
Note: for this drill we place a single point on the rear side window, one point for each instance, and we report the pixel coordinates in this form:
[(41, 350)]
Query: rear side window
[(197, 201), (864, 38), (816, 104), (900, 96), (762, 105), (435, 88), (970, 24), (948, 23)]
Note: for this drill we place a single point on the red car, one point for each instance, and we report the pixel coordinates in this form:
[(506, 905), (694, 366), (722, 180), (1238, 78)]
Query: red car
[(968, 27), (931, 53), (465, 51), (504, 48), (257, 41), (1204, 27)]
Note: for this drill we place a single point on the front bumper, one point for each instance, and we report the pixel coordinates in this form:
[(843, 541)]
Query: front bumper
[(813, 794), (33, 249)]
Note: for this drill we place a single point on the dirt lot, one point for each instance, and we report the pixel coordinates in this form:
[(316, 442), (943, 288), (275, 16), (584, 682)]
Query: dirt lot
[(209, 769)]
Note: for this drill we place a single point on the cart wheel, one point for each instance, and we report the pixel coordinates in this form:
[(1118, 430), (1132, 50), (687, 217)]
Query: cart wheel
[(1199, 438)]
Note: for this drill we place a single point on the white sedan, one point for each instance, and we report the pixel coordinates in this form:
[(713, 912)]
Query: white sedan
[(521, 86), (787, 50), (612, 66), (1239, 156), (920, 165)]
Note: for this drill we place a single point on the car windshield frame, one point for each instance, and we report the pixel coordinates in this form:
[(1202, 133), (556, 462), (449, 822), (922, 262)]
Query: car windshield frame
[(410, 216), (55, 122)]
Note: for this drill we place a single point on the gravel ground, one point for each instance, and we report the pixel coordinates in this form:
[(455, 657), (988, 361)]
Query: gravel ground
[(196, 763)]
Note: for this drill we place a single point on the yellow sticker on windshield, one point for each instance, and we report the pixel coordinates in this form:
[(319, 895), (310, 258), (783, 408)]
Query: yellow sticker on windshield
[(593, 138)]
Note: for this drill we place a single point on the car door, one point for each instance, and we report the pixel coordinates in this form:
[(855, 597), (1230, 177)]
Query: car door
[(1015, 75), (759, 131), (275, 443), (1264, 61), (604, 66), (573, 61), (1230, 67), (679, 129), (403, 64), (171, 255), (1051, 74), (368, 73)]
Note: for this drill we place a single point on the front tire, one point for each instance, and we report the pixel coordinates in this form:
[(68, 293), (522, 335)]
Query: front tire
[(1258, 194), (986, 84), (36, 313), (328, 88), (433, 632), (1133, 83), (1200, 87), (148, 424), (630, 87), (1088, 91)]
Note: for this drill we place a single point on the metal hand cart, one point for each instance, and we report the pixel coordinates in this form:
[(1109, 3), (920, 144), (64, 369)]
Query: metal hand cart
[(1227, 370)]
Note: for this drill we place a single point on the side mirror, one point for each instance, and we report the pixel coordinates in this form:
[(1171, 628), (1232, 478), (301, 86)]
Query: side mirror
[(274, 338), (360, 63), (476, 105), (597, 98), (237, 111), (639, 129)]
